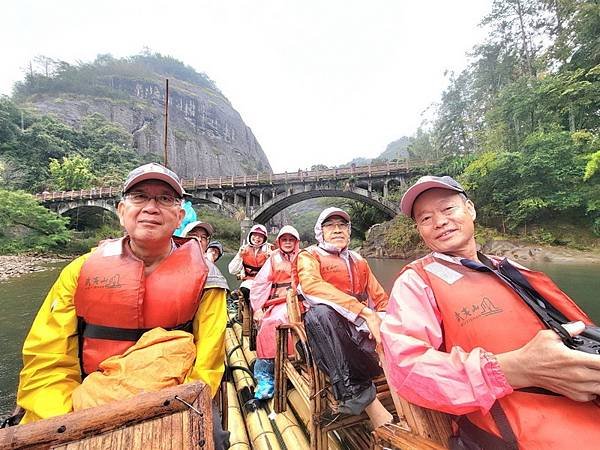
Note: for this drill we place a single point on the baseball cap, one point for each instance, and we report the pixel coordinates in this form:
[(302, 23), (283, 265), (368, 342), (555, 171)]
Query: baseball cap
[(198, 224), (329, 212), (153, 171), (217, 245), (423, 184)]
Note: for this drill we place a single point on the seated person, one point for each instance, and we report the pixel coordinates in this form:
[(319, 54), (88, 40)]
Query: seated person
[(214, 251), (342, 321), (250, 258), (201, 230), (460, 337), (121, 289), (268, 300)]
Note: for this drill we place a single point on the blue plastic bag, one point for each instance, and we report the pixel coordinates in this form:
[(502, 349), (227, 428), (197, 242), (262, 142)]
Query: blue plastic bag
[(190, 216), (265, 379)]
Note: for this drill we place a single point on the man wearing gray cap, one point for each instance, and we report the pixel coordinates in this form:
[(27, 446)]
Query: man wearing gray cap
[(342, 321), (487, 340), (105, 300)]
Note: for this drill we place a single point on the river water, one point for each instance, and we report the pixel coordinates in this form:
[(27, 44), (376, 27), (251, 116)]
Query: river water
[(20, 298)]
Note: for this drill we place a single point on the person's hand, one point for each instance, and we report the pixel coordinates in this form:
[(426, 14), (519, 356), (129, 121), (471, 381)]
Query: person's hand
[(547, 362), (258, 316), (373, 323)]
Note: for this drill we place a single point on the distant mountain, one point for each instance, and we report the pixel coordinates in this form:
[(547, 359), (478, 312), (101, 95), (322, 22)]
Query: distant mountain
[(397, 149), (206, 135)]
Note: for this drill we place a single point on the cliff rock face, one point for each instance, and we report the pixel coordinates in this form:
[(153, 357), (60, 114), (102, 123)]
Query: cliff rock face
[(206, 135)]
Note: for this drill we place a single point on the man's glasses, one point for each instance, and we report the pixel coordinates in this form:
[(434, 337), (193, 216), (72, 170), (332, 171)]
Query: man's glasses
[(335, 226), (141, 198)]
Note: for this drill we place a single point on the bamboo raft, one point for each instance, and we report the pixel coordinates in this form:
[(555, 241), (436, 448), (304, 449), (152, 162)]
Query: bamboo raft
[(174, 418)]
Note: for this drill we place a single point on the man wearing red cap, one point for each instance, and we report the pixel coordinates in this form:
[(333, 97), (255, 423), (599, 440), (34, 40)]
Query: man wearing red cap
[(342, 321), (468, 334), (105, 300)]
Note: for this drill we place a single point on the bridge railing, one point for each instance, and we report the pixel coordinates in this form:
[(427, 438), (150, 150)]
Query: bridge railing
[(193, 184), (99, 192), (302, 175)]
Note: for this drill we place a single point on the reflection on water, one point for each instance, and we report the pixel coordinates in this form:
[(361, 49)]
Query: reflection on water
[(20, 299)]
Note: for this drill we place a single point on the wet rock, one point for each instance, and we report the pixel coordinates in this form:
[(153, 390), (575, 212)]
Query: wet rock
[(14, 266)]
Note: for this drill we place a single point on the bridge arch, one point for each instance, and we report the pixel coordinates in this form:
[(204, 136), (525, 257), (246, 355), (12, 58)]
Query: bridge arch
[(285, 199), (221, 203), (68, 207), (87, 214)]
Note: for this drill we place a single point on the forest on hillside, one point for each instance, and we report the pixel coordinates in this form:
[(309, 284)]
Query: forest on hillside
[(520, 125)]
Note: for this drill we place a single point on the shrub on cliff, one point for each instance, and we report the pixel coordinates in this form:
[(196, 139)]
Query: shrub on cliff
[(402, 239)]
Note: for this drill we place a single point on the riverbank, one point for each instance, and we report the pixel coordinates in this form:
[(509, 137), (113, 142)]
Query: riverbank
[(525, 252), (12, 266)]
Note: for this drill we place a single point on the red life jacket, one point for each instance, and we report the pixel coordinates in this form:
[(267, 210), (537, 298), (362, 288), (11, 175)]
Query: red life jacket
[(479, 310), (253, 259), (281, 278), (116, 303), (350, 278)]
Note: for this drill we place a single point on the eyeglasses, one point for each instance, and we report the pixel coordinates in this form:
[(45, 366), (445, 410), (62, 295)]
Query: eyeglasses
[(335, 225), (141, 198)]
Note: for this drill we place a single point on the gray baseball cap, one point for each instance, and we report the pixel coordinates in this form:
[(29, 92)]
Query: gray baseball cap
[(153, 171)]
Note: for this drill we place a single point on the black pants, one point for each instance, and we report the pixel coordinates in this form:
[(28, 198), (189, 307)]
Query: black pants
[(345, 354)]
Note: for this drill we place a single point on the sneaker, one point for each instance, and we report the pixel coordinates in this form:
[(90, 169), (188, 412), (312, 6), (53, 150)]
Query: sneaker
[(356, 405)]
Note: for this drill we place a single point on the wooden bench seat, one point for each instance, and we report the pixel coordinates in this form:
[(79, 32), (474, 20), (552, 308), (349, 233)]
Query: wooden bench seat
[(414, 427)]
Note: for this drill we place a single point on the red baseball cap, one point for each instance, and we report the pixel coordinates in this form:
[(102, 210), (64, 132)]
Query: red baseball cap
[(424, 184)]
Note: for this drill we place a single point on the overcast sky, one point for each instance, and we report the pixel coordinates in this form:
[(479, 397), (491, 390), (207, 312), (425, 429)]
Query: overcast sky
[(318, 81)]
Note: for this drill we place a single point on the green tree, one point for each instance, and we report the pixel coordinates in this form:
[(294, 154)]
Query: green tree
[(72, 173), (26, 225)]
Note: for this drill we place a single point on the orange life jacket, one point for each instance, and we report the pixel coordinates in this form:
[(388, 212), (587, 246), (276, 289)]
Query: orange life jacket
[(281, 278), (350, 278), (116, 303), (253, 259), (479, 310)]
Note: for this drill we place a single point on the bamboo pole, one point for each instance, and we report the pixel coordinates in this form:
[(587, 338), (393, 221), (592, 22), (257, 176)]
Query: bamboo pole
[(242, 379), (302, 410), (288, 425), (238, 439), (260, 431), (293, 307)]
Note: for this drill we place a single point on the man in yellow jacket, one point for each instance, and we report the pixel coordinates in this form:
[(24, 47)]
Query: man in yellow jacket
[(127, 286)]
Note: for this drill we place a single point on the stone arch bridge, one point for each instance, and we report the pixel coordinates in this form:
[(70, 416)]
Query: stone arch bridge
[(259, 197)]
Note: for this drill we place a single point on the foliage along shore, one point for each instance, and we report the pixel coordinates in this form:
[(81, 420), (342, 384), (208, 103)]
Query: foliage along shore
[(398, 238)]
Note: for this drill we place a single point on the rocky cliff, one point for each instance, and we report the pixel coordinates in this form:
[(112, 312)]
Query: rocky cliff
[(206, 135)]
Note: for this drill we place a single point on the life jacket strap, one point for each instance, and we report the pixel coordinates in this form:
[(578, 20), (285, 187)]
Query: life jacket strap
[(487, 440), (274, 301), (94, 331), (250, 269)]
